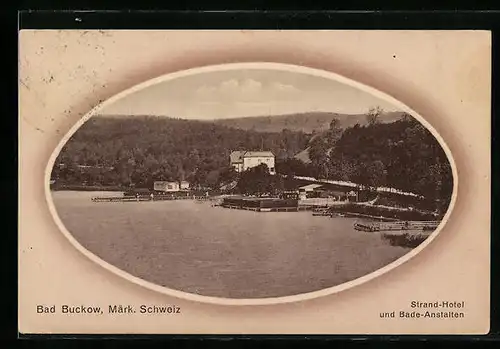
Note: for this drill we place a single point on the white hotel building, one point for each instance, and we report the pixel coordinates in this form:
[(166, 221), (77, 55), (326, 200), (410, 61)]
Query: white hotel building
[(243, 160)]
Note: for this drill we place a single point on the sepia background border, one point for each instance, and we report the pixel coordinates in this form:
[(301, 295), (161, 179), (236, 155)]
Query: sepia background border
[(235, 67)]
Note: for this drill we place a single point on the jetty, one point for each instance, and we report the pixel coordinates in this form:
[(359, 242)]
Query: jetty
[(402, 233), (148, 198), (368, 216), (120, 199), (397, 226), (269, 209)]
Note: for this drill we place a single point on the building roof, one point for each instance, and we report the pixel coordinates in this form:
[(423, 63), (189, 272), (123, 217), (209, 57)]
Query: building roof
[(236, 156), (249, 154)]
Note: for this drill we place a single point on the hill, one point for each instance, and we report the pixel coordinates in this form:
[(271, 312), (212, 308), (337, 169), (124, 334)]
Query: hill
[(305, 122), (138, 150), (141, 149), (401, 154)]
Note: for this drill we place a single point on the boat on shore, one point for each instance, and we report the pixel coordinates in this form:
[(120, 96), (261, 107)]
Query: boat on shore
[(321, 212)]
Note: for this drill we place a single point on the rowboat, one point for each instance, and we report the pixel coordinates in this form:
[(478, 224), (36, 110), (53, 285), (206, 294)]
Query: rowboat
[(321, 212)]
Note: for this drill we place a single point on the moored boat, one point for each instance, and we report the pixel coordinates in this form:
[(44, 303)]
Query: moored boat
[(321, 212)]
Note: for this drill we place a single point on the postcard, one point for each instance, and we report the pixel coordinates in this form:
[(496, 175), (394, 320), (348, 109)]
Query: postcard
[(254, 182)]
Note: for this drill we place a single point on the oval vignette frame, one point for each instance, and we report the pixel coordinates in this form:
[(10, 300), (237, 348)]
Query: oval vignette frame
[(249, 301)]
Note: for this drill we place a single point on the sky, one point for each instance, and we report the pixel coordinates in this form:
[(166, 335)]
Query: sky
[(246, 92)]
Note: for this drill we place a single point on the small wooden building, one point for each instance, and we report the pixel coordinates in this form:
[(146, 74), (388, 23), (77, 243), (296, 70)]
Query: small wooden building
[(166, 186)]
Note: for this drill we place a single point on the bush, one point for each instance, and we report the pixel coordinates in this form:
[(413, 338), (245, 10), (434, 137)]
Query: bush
[(405, 240)]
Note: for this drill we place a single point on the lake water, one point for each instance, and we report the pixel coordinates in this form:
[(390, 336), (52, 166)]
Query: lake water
[(214, 251)]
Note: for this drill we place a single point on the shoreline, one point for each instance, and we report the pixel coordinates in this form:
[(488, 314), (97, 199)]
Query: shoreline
[(383, 213)]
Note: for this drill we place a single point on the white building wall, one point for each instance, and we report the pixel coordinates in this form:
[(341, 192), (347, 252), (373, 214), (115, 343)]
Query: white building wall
[(249, 162), (166, 186), (173, 186), (238, 167)]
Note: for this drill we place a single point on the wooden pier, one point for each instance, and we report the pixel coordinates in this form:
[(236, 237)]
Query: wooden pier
[(120, 199), (148, 198), (268, 209), (362, 215), (397, 226)]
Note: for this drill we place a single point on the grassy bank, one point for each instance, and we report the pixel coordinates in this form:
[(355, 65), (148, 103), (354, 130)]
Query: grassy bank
[(410, 240), (384, 211)]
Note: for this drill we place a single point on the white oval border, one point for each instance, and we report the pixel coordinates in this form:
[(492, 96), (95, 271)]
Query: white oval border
[(251, 301)]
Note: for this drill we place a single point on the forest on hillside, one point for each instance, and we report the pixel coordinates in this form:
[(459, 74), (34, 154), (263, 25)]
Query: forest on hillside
[(140, 150), (136, 151), (307, 122), (402, 155)]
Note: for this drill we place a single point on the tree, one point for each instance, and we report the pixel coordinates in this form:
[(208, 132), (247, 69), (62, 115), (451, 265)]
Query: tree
[(212, 178), (373, 115), (318, 153), (255, 180), (376, 174), (334, 131), (405, 117), (334, 124), (228, 175), (292, 167)]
